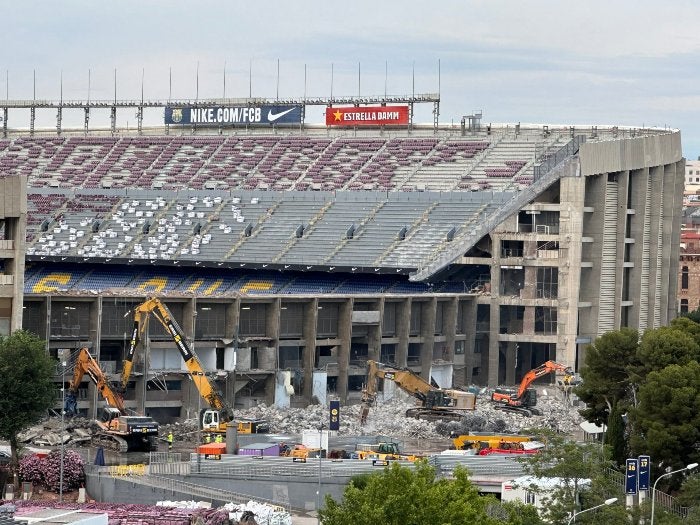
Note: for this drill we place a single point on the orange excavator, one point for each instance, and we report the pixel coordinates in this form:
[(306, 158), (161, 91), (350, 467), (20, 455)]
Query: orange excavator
[(523, 400), (116, 430)]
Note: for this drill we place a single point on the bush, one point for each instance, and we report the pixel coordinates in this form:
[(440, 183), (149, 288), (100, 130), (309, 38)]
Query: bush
[(47, 471)]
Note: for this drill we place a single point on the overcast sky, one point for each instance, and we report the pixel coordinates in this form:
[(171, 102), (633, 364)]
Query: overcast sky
[(625, 62)]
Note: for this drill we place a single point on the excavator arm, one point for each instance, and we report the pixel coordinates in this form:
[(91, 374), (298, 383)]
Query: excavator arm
[(404, 379), (86, 364), (208, 391), (541, 371)]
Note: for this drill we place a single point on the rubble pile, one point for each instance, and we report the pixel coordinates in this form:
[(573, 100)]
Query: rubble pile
[(386, 418)]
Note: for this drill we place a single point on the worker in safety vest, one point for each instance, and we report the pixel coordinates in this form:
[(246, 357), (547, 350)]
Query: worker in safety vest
[(207, 438), (219, 438), (170, 441)]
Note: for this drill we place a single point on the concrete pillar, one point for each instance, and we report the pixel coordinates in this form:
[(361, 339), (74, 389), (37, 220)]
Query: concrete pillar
[(427, 331), (638, 196), (309, 352), (271, 357), (374, 334), (449, 326), (623, 180), (403, 327), (655, 246), (674, 216), (95, 332), (469, 322), (345, 336), (511, 350), (495, 321), (529, 320), (232, 317)]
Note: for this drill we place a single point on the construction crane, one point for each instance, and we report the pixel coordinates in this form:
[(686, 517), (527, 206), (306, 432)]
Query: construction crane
[(219, 414), (523, 400), (115, 429), (435, 403)]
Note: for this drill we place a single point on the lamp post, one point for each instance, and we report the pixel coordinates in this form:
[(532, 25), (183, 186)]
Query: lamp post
[(691, 466), (606, 502), (320, 454), (63, 413)]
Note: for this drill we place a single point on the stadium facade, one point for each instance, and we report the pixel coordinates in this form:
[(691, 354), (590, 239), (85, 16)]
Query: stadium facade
[(291, 255)]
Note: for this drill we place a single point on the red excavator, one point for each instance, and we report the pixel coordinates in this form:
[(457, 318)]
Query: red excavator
[(523, 400)]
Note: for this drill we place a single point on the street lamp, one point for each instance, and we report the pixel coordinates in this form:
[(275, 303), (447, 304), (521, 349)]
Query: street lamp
[(653, 489), (63, 428), (606, 502), (320, 454)]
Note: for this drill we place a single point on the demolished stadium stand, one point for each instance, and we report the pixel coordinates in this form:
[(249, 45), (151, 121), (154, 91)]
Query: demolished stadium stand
[(469, 256)]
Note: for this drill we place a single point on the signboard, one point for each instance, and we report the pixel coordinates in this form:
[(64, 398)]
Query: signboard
[(367, 116), (234, 115), (335, 415), (631, 476), (644, 462)]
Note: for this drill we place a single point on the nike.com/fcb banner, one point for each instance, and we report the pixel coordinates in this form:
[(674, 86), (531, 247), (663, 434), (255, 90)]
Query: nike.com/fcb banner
[(232, 115), (367, 116)]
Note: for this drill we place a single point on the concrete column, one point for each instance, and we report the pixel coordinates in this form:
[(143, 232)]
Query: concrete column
[(675, 217), (427, 331), (638, 196), (449, 326), (655, 245), (469, 319), (495, 321), (529, 320), (272, 352), (345, 336), (403, 327), (309, 353), (623, 180), (95, 332), (374, 334), (232, 317), (511, 350), (530, 282)]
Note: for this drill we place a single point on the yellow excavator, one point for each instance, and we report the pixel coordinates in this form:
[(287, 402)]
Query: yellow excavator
[(219, 416), (434, 403), (116, 430)]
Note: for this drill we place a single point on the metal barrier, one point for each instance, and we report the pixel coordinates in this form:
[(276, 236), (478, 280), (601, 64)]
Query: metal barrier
[(164, 457), (127, 470), (567, 150)]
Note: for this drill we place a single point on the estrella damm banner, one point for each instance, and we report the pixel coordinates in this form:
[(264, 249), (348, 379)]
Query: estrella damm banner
[(367, 116), (631, 476), (233, 115), (335, 415)]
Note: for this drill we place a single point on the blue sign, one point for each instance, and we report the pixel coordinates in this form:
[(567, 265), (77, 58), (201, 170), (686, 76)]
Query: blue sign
[(335, 415), (644, 472), (233, 115), (631, 476)]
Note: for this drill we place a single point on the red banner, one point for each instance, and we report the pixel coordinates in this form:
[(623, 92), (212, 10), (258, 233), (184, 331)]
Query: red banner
[(367, 116)]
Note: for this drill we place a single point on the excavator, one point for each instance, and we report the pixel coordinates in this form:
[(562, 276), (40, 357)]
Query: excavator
[(435, 403), (219, 416), (523, 400), (116, 430)]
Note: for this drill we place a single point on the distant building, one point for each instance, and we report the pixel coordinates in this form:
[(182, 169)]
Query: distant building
[(689, 273)]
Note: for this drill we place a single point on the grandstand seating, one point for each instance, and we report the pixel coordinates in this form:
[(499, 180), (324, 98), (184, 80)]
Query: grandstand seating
[(271, 162), (113, 279), (396, 230)]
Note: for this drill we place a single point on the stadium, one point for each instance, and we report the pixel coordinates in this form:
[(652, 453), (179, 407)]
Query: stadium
[(291, 252)]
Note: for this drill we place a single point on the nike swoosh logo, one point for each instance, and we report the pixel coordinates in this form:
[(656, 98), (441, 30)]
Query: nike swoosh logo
[(271, 117)]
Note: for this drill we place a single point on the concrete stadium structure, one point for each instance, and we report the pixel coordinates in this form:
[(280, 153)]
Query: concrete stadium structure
[(469, 254)]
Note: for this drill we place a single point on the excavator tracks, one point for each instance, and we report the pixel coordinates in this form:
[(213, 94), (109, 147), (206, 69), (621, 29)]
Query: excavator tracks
[(432, 415), (523, 411)]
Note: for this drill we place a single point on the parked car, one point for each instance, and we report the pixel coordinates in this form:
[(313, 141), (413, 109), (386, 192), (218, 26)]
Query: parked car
[(4, 458)]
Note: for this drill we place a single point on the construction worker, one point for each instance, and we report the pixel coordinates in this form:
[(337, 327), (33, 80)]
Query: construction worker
[(219, 438), (170, 441), (207, 438)]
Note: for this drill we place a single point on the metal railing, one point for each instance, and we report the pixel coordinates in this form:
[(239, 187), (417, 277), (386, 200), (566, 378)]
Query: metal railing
[(567, 150)]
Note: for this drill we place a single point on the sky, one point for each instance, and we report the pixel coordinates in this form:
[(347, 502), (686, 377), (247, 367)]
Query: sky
[(622, 62)]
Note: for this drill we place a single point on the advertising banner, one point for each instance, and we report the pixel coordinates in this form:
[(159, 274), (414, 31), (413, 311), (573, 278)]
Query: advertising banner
[(644, 472), (631, 476), (234, 115), (335, 415), (367, 116)]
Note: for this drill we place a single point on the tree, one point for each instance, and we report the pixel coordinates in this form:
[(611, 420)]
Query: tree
[(689, 496), (581, 471), (667, 421), (665, 346), (400, 495), (27, 390), (605, 373), (615, 436)]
